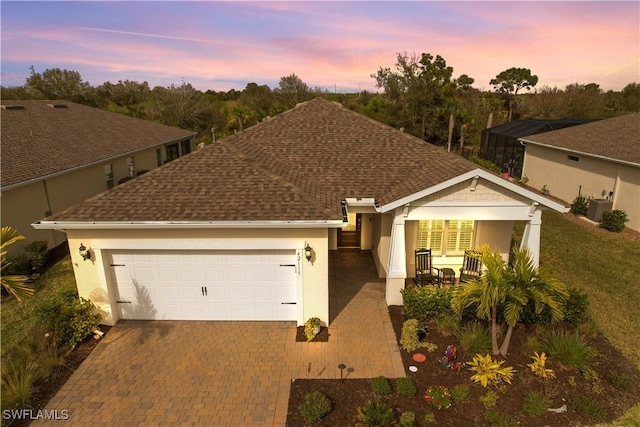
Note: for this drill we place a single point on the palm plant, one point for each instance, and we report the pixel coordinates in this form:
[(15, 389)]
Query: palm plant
[(17, 285)]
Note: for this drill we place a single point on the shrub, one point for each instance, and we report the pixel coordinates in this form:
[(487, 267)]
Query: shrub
[(408, 419), (489, 371), (568, 349), (36, 253), (588, 407), (375, 414), (535, 404), (460, 392), (588, 329), (69, 319), (310, 327), (426, 303), (409, 337), (18, 265), (18, 384), (539, 368), (487, 164), (619, 380), (496, 419), (380, 386), (447, 325), (576, 306), (614, 220), (580, 205), (429, 418), (438, 396), (406, 387), (474, 338), (531, 345), (315, 406), (489, 400)]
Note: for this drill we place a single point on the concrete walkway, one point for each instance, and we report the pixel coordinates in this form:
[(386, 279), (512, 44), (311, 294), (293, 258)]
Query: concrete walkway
[(230, 373)]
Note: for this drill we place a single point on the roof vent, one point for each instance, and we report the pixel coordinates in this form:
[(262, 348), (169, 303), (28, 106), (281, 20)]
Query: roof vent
[(13, 107), (58, 105)]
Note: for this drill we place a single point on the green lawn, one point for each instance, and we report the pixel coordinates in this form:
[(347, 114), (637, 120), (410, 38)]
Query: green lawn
[(19, 319)]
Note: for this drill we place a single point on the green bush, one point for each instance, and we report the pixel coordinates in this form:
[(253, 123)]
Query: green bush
[(460, 392), (380, 386), (429, 418), (580, 205), (619, 380), (375, 414), (496, 419), (588, 407), (614, 220), (576, 306), (474, 338), (406, 387), (37, 254), (19, 265), (535, 404), (568, 349), (487, 164), (18, 384), (68, 318), (489, 400), (426, 303), (408, 419), (409, 337), (315, 406), (447, 325)]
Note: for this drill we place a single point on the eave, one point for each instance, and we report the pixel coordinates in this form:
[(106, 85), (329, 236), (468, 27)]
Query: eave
[(138, 225)]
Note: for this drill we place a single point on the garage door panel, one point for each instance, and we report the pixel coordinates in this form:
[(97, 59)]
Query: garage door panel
[(239, 285)]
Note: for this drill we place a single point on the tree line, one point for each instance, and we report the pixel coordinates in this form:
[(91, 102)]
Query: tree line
[(418, 94)]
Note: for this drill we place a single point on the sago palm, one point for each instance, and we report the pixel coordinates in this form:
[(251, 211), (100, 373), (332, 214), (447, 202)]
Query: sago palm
[(17, 285)]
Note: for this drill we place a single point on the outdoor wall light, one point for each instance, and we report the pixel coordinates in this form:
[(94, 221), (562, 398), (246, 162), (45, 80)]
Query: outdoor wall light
[(84, 252), (307, 252)]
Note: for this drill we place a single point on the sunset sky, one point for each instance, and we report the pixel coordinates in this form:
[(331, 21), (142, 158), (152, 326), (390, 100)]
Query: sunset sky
[(333, 45)]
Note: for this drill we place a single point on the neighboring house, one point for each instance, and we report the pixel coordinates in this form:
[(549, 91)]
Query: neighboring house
[(56, 154), (600, 160), (501, 146), (223, 234)]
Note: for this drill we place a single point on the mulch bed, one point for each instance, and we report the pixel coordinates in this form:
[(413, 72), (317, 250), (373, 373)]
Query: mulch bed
[(323, 335), (350, 394)]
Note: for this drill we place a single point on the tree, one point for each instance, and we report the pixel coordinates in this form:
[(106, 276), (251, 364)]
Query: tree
[(17, 285), (258, 99), (127, 93), (293, 90), (239, 115), (510, 81), (510, 289), (56, 83), (490, 103), (415, 87), (182, 106)]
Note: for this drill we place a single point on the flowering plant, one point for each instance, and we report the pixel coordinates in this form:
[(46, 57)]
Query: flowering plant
[(438, 396)]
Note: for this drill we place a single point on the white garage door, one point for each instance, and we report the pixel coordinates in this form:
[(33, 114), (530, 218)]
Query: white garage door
[(213, 285)]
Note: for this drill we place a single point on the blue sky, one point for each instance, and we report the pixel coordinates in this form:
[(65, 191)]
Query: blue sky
[(334, 45)]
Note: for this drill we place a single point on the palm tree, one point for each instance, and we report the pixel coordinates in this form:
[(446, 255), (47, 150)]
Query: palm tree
[(14, 284), (486, 293), (526, 284)]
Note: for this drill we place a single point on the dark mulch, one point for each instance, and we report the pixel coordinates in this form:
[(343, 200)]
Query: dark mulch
[(350, 394), (323, 335)]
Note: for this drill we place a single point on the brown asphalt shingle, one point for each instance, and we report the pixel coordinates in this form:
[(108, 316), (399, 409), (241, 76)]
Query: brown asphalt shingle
[(293, 167), (39, 140), (617, 138)]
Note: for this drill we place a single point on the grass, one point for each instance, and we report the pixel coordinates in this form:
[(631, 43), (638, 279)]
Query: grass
[(19, 319)]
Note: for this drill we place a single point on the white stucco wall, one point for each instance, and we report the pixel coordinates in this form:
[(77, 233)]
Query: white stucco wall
[(95, 279)]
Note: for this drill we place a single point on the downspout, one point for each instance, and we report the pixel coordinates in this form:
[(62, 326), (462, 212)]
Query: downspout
[(49, 211)]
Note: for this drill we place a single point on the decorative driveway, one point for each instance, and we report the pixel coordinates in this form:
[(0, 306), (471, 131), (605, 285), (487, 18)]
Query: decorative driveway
[(230, 373)]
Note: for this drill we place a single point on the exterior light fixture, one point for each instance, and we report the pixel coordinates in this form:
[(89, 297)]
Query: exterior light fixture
[(307, 252), (84, 252)]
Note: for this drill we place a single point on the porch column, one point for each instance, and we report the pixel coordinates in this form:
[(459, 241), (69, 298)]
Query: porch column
[(531, 237), (397, 268)]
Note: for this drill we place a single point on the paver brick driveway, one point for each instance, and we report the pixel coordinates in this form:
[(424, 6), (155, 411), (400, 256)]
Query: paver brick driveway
[(230, 373)]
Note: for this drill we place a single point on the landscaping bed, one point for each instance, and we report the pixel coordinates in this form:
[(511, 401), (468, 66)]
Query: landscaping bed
[(588, 400)]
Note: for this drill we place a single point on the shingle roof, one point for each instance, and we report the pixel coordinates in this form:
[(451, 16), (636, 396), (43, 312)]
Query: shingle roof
[(39, 140), (296, 166), (617, 138)]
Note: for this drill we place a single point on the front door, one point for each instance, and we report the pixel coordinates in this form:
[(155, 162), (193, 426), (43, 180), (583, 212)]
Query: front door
[(349, 237)]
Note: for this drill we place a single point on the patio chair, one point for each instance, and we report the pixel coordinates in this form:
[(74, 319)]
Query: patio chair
[(471, 266), (424, 268)]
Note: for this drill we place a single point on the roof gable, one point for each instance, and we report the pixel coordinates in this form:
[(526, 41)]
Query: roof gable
[(617, 138), (43, 138)]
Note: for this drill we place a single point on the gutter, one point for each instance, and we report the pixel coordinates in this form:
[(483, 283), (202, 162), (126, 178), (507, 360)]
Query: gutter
[(86, 165), (137, 225), (524, 143)]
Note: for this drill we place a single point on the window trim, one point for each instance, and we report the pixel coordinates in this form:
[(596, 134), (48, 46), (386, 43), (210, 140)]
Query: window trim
[(446, 233)]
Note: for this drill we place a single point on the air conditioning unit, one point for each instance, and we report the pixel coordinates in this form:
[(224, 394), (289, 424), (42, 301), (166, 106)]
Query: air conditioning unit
[(597, 207)]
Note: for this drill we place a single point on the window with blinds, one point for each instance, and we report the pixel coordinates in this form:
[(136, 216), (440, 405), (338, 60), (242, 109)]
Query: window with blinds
[(450, 237)]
